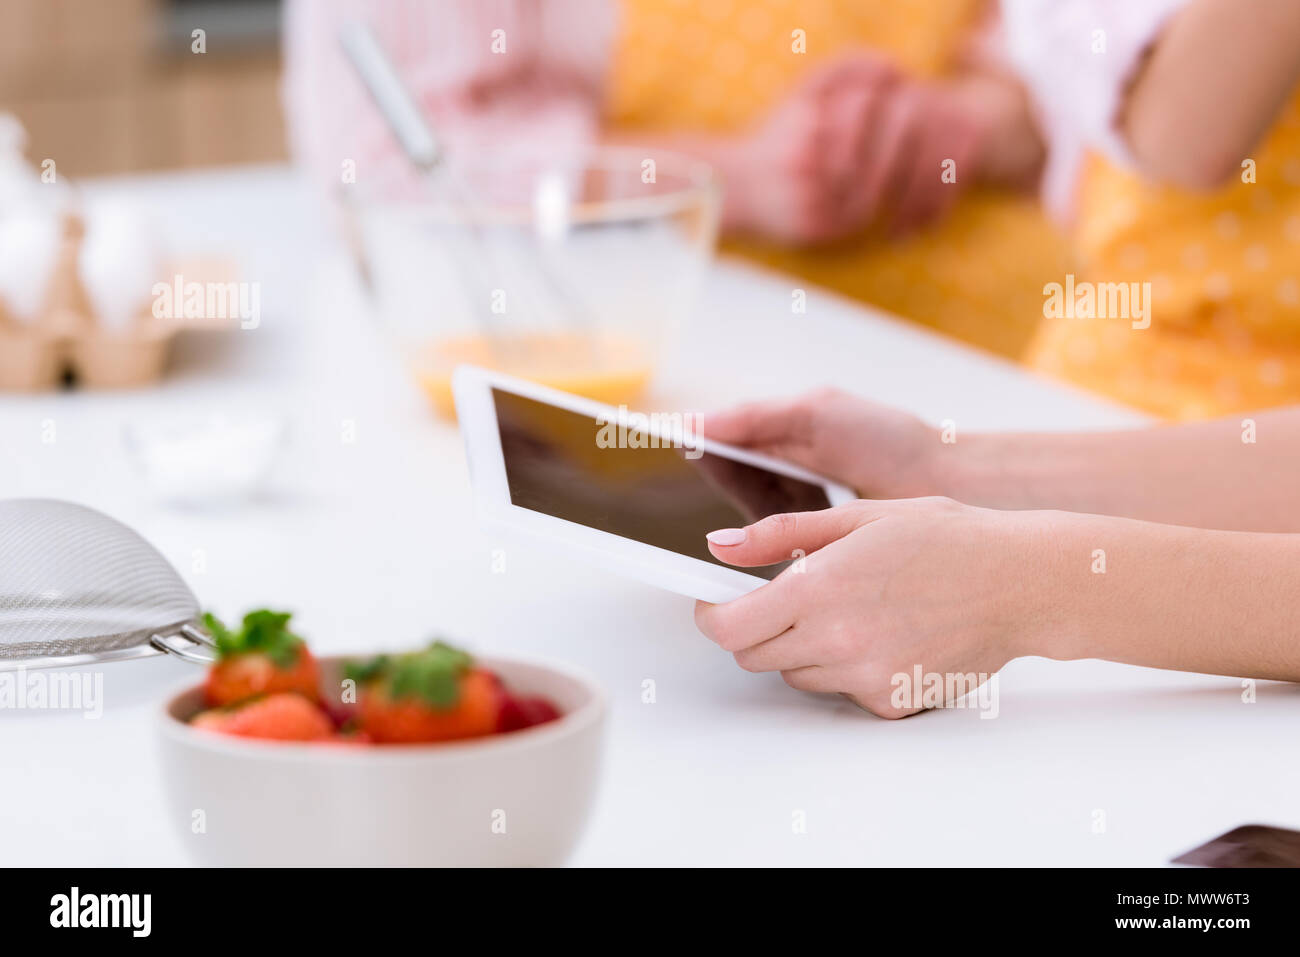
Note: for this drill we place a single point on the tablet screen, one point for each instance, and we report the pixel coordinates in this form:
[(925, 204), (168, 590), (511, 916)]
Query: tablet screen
[(633, 484)]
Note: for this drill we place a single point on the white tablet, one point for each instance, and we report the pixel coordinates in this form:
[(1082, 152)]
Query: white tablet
[(634, 493)]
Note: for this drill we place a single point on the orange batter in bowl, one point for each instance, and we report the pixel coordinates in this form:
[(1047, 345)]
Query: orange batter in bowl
[(608, 368)]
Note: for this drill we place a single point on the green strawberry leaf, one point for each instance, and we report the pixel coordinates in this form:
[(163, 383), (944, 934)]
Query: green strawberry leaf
[(363, 672), (432, 675), (262, 632)]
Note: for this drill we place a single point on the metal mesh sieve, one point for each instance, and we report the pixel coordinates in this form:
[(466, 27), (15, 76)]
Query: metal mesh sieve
[(77, 587)]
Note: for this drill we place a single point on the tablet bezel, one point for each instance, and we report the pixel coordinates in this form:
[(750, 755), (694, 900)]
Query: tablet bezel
[(694, 577)]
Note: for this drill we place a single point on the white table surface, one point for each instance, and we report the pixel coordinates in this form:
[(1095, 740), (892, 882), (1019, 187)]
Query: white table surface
[(373, 545)]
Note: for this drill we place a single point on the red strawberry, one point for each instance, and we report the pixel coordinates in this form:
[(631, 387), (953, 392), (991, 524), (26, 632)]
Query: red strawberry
[(278, 717), (245, 675), (539, 710), (341, 714), (261, 656), (350, 739), (410, 719), (512, 717), (212, 720), (524, 711)]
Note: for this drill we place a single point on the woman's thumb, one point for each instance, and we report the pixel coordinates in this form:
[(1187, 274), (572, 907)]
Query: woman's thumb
[(787, 535)]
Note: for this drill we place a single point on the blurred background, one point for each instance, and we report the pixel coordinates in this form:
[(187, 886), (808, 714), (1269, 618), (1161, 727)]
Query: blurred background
[(110, 86), (944, 161)]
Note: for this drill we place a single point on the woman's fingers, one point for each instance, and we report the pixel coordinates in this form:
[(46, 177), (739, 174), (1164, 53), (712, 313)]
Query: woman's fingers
[(846, 117), (789, 650), (773, 608), (815, 678), (821, 679), (943, 137), (746, 621), (852, 110), (856, 206), (772, 422), (779, 538), (890, 150)]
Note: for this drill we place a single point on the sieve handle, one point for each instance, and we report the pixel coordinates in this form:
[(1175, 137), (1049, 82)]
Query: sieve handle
[(195, 636)]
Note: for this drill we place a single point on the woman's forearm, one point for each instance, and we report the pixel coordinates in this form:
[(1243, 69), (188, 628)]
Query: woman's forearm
[(1241, 473), (1211, 88), (1172, 597)]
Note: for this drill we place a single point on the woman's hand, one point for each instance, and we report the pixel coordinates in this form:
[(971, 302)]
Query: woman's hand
[(792, 176), (881, 589), (879, 451), (855, 143), (885, 587)]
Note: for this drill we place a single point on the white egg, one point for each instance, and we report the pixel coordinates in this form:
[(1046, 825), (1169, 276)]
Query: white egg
[(29, 249), (20, 185), (120, 263)]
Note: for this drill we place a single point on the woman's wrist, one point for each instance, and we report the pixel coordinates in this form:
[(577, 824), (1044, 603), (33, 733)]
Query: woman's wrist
[(1011, 470), (1158, 596), (1043, 582), (1092, 586), (979, 469)]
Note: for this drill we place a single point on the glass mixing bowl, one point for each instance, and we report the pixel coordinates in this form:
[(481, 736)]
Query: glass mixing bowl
[(573, 272)]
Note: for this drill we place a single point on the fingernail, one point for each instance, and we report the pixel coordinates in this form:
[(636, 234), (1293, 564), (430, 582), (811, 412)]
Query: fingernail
[(727, 536)]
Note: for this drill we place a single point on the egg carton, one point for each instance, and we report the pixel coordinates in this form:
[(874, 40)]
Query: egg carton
[(67, 338)]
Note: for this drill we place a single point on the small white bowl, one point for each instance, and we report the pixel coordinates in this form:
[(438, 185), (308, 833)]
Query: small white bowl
[(519, 799), (207, 460)]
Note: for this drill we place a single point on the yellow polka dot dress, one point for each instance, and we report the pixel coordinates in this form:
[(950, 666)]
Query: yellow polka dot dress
[(1224, 269)]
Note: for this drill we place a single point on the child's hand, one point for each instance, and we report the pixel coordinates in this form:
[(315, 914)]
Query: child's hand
[(879, 451), (885, 586)]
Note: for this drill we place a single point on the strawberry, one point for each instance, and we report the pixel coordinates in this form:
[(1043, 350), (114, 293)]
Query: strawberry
[(263, 657), (342, 714), (244, 676), (538, 710), (277, 717), (350, 739), (405, 720), (519, 712), (211, 720), (512, 717), (431, 695)]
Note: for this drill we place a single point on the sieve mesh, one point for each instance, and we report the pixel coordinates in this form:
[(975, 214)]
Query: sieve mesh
[(75, 582)]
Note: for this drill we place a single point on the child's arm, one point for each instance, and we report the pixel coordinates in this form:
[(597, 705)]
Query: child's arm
[(1211, 87)]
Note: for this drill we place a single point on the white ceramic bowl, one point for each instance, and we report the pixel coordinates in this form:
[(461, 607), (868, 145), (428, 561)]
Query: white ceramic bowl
[(515, 800)]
